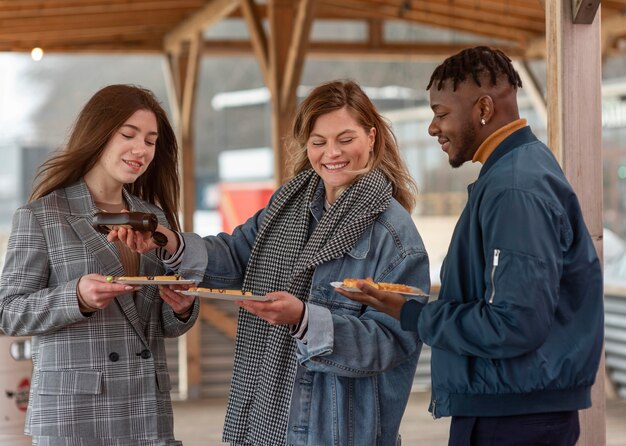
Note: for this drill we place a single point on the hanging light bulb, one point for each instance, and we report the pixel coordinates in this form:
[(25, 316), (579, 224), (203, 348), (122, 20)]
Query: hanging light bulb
[(36, 54)]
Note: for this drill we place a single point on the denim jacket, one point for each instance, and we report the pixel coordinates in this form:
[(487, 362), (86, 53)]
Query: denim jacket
[(356, 365)]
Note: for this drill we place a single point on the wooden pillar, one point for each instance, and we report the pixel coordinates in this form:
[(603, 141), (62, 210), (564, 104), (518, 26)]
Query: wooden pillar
[(575, 136), (182, 65), (281, 14), (183, 46), (289, 26)]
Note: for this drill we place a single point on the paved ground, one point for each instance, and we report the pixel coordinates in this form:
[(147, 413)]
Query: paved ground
[(199, 423)]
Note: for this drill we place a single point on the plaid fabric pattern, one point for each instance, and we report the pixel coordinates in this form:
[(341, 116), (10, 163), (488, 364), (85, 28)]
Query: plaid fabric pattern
[(284, 257), (90, 384)]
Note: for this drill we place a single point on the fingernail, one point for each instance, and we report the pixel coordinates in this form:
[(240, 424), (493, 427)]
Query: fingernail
[(109, 279), (128, 287)]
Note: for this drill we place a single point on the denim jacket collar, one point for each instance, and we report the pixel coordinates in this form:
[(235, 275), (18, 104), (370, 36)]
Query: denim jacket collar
[(316, 207)]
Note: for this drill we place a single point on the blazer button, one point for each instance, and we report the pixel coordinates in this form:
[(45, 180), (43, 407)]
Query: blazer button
[(145, 354), (114, 357)]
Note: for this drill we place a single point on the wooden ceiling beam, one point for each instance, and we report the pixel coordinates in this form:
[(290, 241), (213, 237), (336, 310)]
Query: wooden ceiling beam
[(213, 12), (258, 37), (500, 30), (111, 20), (527, 8), (297, 51), (182, 7), (21, 4), (118, 33), (359, 50), (106, 46), (612, 30), (466, 11), (584, 11)]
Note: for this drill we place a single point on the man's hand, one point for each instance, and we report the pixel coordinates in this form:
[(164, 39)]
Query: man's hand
[(385, 301)]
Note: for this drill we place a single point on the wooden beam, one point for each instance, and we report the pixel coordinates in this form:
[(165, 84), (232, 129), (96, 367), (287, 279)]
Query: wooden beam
[(429, 52), (584, 11), (498, 29), (213, 12), (182, 79), (257, 37), (110, 32), (281, 24), (536, 49), (46, 9), (297, 53), (137, 46), (111, 19), (575, 135), (613, 28), (376, 36), (530, 18), (219, 319)]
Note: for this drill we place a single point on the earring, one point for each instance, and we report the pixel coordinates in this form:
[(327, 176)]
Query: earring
[(482, 121)]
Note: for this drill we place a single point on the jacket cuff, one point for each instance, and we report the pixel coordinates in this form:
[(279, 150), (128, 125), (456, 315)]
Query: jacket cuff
[(409, 315)]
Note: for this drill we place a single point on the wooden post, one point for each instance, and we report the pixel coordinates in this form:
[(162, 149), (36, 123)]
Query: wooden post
[(281, 13), (182, 73), (288, 40), (575, 136)]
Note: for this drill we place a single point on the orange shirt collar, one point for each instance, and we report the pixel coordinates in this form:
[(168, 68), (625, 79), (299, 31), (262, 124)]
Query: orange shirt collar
[(494, 140)]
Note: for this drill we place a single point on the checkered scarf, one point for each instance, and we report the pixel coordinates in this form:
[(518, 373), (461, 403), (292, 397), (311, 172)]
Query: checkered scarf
[(284, 257)]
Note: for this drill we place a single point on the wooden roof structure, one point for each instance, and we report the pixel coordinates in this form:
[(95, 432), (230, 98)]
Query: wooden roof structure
[(149, 26), (566, 33)]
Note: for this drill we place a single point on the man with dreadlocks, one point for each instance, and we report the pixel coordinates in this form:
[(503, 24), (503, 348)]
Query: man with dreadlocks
[(516, 333)]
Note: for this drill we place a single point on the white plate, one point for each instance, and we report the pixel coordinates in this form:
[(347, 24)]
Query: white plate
[(217, 295), (172, 281), (414, 291)]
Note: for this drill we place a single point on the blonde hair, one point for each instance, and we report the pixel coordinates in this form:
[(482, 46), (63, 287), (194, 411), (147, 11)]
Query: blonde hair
[(336, 95)]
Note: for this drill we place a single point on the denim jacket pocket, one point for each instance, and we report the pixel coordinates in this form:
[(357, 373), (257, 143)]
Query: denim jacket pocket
[(325, 295)]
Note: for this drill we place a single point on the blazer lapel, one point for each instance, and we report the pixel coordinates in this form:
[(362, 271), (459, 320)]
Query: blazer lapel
[(82, 210)]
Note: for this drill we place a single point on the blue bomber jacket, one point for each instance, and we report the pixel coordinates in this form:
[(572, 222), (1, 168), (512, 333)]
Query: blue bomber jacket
[(518, 325)]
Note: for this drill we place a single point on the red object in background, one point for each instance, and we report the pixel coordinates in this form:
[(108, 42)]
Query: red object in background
[(21, 396), (240, 201)]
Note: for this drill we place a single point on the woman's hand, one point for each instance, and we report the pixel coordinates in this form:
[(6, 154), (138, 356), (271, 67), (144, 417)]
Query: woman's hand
[(385, 301), (142, 242), (283, 308), (95, 292), (180, 303)]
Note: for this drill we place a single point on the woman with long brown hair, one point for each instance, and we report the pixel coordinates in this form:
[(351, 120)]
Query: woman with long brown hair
[(99, 369)]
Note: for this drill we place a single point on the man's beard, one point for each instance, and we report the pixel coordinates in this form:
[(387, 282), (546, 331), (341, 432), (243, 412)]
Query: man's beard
[(466, 143)]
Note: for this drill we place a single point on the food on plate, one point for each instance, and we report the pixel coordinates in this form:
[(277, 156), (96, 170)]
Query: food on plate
[(136, 278), (351, 283), (385, 286), (220, 291), (397, 287)]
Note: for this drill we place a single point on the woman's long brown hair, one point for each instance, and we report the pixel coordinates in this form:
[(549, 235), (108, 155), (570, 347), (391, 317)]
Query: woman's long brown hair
[(386, 156), (99, 119)]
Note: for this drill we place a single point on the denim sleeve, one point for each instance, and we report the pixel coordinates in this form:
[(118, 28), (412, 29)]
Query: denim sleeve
[(365, 345), (219, 261)]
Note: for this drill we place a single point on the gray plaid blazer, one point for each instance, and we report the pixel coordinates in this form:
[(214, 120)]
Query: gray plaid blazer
[(102, 379)]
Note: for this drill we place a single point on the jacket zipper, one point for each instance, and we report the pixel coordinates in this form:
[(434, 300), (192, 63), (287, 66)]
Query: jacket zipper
[(496, 258), (434, 403)]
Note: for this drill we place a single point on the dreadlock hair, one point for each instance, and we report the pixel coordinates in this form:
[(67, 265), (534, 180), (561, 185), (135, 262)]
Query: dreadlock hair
[(480, 62)]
